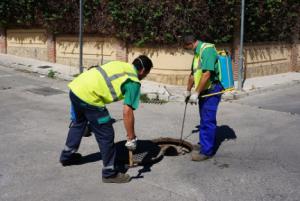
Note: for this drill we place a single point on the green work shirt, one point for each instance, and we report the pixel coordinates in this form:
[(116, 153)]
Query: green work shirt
[(131, 91), (209, 61)]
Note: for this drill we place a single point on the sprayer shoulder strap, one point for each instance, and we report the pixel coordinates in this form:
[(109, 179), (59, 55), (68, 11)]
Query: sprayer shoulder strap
[(202, 48)]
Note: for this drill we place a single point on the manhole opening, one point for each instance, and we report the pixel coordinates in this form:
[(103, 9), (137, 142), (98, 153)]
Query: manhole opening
[(173, 147), (152, 151)]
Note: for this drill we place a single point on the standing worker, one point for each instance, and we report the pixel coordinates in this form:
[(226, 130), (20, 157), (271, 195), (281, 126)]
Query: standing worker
[(89, 93), (204, 76)]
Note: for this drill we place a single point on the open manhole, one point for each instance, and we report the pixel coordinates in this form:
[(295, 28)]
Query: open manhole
[(173, 147), (152, 151)]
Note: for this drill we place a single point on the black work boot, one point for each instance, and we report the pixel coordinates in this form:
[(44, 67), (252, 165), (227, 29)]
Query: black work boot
[(74, 159), (118, 178)]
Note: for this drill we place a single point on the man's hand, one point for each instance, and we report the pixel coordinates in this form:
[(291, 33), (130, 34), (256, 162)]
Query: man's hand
[(131, 144), (194, 98), (187, 95)]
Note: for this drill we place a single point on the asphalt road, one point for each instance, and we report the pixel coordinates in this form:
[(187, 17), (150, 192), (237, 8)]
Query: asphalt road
[(283, 100), (258, 157)]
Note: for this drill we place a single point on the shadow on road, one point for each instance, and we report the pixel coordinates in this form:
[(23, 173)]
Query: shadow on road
[(146, 155), (223, 133), (90, 158)]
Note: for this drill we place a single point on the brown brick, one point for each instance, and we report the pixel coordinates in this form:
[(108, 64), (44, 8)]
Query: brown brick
[(51, 48)]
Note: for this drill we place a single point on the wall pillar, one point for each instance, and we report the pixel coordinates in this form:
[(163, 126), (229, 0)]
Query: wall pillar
[(294, 47), (235, 48), (3, 44), (294, 57), (51, 47)]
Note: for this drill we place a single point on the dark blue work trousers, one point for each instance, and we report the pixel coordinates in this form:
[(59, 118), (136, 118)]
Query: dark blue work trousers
[(101, 126), (208, 123)]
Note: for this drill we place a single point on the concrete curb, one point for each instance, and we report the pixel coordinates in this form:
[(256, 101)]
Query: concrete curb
[(36, 66), (238, 95), (153, 90)]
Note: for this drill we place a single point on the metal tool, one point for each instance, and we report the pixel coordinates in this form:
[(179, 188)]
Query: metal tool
[(186, 102), (130, 158)]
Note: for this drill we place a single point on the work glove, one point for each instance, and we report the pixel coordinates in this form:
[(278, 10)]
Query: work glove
[(131, 144), (194, 98), (187, 95)]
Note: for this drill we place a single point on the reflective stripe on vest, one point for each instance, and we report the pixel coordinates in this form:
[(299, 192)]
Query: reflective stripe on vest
[(120, 75), (108, 81)]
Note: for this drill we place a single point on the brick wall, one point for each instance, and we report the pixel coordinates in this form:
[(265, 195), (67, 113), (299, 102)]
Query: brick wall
[(266, 59), (30, 43), (96, 50), (171, 65)]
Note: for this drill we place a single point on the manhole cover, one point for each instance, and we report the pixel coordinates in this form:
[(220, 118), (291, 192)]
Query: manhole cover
[(45, 91), (152, 151)]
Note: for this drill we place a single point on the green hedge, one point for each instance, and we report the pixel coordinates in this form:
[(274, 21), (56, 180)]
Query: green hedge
[(157, 22)]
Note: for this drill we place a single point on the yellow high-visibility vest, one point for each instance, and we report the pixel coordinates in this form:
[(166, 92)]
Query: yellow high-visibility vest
[(197, 71), (102, 85)]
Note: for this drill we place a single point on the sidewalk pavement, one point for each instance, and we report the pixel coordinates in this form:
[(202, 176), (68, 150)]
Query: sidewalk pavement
[(154, 90)]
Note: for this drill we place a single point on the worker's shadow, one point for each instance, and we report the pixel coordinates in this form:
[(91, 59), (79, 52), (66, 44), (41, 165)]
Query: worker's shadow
[(146, 155), (90, 158), (223, 133)]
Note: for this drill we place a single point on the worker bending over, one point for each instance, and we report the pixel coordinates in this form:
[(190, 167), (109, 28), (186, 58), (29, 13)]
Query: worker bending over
[(89, 93)]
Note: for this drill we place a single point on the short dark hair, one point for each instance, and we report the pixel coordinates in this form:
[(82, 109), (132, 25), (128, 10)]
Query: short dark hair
[(188, 39), (141, 62)]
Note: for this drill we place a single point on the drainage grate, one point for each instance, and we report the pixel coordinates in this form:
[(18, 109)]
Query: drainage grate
[(5, 88), (44, 67), (153, 100), (45, 91)]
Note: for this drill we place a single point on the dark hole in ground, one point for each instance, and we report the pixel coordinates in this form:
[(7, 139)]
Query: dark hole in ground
[(173, 147), (152, 151)]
